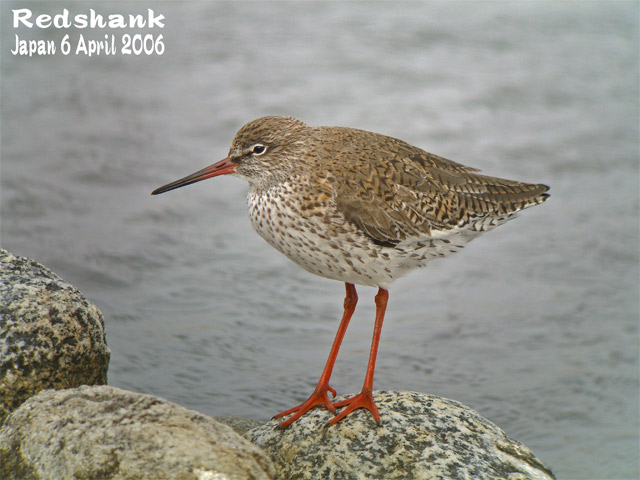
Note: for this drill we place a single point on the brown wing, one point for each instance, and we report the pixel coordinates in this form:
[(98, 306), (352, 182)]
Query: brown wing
[(411, 193)]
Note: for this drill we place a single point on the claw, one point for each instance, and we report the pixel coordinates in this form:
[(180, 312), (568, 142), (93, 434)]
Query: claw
[(362, 400), (318, 397)]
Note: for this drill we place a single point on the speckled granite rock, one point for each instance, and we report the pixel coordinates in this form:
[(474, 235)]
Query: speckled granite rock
[(107, 433), (421, 437), (50, 335)]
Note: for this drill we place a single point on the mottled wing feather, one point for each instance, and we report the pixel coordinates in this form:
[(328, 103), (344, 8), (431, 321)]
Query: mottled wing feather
[(413, 193)]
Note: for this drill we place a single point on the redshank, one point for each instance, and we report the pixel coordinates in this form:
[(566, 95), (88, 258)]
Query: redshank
[(361, 208)]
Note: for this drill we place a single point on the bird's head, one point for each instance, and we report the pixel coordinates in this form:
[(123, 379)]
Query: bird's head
[(261, 153)]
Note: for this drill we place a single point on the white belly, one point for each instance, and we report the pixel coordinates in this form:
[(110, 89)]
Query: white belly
[(326, 245)]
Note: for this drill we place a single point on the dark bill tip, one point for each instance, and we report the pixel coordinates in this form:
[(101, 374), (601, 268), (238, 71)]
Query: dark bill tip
[(223, 167)]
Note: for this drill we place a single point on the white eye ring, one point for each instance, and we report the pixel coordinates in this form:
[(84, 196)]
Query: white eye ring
[(258, 149)]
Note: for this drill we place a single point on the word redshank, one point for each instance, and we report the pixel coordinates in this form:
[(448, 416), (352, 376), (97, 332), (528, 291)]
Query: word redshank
[(361, 208)]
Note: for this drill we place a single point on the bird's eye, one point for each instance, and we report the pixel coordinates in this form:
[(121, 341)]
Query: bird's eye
[(258, 149)]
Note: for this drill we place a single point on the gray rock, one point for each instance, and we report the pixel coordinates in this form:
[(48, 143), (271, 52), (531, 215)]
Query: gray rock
[(421, 437), (240, 425), (50, 335), (107, 433)]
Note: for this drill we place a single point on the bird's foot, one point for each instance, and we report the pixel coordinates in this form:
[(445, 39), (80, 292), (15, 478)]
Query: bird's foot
[(362, 400), (318, 397)]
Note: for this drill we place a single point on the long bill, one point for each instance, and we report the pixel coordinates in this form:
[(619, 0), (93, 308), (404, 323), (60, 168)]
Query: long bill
[(223, 167)]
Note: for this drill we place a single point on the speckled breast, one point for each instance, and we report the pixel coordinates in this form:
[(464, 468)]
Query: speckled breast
[(314, 235)]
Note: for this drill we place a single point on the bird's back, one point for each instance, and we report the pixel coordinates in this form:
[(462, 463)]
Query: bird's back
[(394, 191)]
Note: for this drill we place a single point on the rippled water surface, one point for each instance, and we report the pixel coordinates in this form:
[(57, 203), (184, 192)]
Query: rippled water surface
[(534, 325)]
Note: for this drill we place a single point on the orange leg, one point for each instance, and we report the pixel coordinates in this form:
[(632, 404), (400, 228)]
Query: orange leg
[(319, 395), (365, 398)]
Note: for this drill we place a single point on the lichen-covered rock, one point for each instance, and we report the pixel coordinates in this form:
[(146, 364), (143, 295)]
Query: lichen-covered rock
[(106, 433), (421, 437), (50, 335)]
